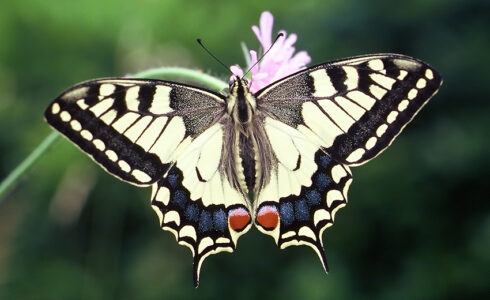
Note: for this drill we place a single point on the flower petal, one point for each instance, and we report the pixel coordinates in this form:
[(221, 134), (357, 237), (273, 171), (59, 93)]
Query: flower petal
[(236, 70), (280, 60), (264, 33)]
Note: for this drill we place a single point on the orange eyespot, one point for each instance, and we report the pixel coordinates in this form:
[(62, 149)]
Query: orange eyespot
[(268, 217), (238, 218)]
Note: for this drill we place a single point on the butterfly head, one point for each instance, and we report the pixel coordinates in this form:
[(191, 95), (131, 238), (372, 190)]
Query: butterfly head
[(241, 102)]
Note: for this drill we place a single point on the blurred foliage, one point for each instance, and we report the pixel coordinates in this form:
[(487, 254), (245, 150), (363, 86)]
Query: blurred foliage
[(418, 222)]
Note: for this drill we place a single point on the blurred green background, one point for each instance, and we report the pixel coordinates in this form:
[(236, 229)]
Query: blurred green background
[(417, 224)]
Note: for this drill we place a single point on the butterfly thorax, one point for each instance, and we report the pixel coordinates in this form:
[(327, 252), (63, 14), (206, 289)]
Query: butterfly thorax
[(241, 103)]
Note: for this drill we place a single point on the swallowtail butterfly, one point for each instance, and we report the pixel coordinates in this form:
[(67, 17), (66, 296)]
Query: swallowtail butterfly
[(278, 159)]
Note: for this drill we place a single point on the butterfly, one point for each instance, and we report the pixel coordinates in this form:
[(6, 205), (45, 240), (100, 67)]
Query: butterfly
[(278, 159)]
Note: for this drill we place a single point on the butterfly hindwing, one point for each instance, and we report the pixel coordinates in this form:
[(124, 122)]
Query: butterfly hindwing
[(196, 202), (133, 127), (305, 190), (355, 107)]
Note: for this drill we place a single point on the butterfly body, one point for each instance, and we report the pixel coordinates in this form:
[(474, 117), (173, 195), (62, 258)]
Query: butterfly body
[(278, 159)]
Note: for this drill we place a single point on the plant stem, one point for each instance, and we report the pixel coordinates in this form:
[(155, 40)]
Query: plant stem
[(193, 75), (157, 73), (25, 165)]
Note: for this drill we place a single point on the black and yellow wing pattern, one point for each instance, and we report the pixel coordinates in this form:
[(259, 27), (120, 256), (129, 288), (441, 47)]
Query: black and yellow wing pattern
[(323, 120), (279, 158), (166, 135)]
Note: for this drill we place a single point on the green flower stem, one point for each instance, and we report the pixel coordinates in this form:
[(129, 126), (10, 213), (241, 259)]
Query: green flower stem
[(157, 73), (188, 74), (16, 173)]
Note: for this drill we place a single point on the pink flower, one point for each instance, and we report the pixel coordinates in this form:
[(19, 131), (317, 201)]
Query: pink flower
[(279, 62)]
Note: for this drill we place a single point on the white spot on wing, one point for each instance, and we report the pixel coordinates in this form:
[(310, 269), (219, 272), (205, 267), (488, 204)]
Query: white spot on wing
[(355, 155), (125, 121), (403, 105), (102, 106), (306, 231), (81, 103), (333, 195), (124, 166), (131, 98), (382, 80), (111, 155), (381, 130), (141, 176), (288, 234), (106, 89), (376, 64), (323, 84), (320, 215), (412, 94), (222, 240), (392, 117), (163, 195), (352, 79), (421, 83), (99, 144), (161, 100), (205, 242), (377, 91), (402, 75), (55, 108), (371, 142), (65, 116), (362, 99), (171, 216), (429, 74), (188, 231), (86, 135), (338, 173), (75, 125)]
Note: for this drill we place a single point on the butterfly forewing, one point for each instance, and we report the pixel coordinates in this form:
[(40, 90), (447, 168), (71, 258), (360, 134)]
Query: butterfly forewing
[(353, 108), (133, 128)]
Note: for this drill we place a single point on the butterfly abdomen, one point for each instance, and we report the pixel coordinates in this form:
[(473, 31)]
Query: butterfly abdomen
[(248, 161)]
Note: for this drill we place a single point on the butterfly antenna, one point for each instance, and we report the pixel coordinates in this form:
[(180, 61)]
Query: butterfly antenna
[(277, 37), (199, 41)]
